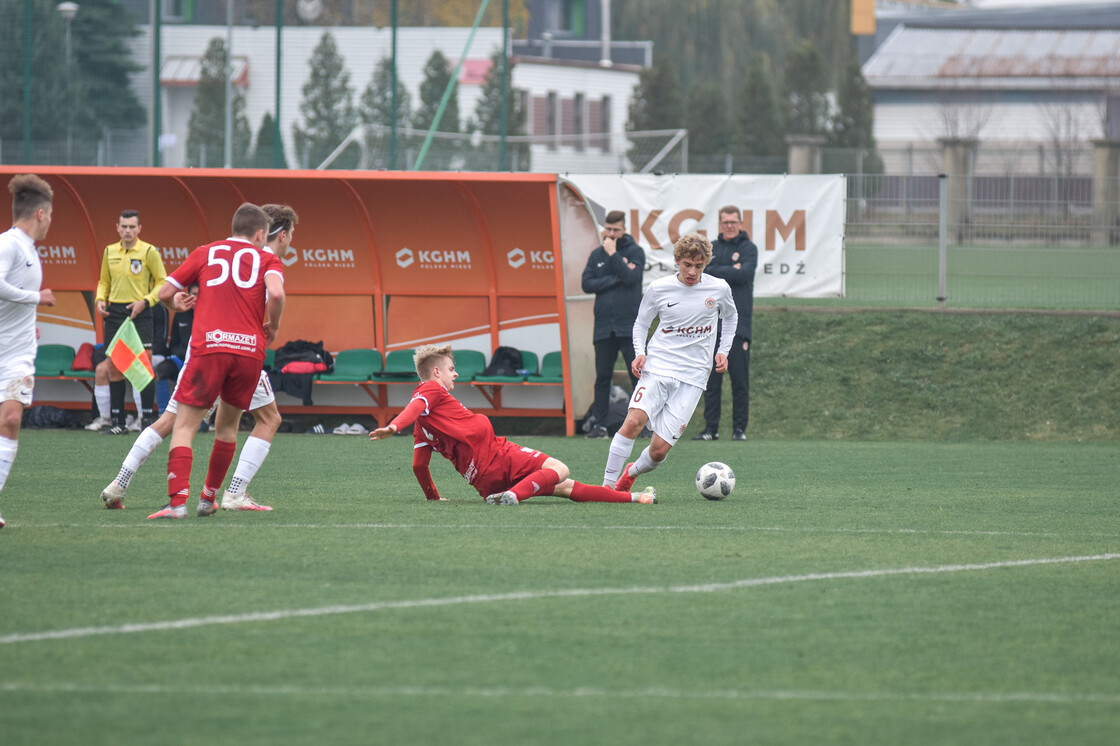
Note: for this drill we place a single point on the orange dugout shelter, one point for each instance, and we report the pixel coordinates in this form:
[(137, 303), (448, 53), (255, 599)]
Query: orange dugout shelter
[(380, 260)]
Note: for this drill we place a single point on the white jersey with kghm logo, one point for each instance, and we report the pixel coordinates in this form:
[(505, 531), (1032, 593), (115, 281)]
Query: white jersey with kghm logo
[(684, 342)]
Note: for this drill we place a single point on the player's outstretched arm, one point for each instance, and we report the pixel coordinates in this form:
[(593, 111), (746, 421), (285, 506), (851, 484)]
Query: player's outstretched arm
[(383, 432), (421, 457)]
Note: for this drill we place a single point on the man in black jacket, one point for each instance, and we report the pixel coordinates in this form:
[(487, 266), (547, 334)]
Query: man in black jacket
[(735, 259), (614, 274)]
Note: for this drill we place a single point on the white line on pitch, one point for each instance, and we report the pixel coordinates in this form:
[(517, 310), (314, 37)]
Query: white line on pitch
[(549, 692), (269, 616), (257, 526)]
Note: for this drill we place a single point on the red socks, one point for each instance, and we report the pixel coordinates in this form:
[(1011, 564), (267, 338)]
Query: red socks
[(540, 482), (591, 493), (221, 456), (179, 462)]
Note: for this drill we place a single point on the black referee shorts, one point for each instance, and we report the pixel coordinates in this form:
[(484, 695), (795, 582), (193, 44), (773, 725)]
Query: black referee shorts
[(118, 312)]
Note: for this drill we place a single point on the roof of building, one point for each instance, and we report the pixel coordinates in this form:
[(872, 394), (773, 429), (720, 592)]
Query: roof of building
[(956, 58)]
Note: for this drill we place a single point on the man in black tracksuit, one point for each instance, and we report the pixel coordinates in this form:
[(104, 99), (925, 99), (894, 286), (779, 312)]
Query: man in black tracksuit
[(735, 259), (614, 274)]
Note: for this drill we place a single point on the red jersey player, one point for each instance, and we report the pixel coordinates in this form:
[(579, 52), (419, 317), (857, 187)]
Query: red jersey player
[(504, 473), (234, 321)]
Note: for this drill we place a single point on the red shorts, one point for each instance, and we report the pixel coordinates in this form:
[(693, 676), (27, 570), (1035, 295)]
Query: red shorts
[(509, 464), (206, 377)]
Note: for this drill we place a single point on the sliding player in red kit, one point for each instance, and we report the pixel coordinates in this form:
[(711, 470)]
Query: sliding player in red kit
[(234, 321), (503, 472)]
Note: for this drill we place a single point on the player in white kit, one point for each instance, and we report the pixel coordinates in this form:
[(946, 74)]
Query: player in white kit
[(21, 275), (673, 367)]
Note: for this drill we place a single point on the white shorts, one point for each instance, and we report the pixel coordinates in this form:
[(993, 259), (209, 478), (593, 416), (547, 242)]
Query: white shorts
[(262, 395), (17, 382), (668, 402)]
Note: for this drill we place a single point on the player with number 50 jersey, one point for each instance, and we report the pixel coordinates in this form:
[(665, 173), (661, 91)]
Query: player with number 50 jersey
[(231, 295)]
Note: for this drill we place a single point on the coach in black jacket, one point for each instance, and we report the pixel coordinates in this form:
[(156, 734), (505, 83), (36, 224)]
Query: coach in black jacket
[(614, 274), (735, 259)]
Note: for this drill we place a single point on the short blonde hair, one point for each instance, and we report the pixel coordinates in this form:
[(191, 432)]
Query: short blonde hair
[(427, 357), (693, 246)]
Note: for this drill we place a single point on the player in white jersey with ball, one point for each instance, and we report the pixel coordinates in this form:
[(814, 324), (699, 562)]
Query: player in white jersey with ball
[(673, 367)]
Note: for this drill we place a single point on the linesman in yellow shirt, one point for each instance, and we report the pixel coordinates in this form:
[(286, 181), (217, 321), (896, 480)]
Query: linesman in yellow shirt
[(131, 275)]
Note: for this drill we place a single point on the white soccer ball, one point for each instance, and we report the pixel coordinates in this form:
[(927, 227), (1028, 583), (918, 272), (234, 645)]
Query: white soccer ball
[(715, 480)]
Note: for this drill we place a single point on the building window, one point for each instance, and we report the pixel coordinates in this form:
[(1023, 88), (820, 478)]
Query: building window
[(605, 122), (552, 118), (579, 114), (573, 17)]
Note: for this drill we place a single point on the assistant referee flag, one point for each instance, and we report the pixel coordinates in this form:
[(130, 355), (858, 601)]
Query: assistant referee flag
[(127, 353)]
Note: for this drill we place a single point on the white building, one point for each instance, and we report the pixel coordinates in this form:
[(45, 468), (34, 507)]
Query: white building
[(567, 103)]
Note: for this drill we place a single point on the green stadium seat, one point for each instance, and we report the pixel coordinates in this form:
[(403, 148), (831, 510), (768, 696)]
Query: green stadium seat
[(269, 357), (52, 360), (354, 366), (469, 363), (399, 366), (552, 369)]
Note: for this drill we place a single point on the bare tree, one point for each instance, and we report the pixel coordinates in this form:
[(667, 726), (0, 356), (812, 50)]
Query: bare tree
[(1067, 125)]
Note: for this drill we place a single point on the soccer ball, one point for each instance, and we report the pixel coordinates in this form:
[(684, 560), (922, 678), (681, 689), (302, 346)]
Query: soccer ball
[(715, 480)]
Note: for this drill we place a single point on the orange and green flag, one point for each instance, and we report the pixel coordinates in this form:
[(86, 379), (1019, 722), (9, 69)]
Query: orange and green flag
[(127, 353)]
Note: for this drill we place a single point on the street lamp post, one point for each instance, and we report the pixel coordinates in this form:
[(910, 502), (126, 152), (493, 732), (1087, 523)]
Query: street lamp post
[(68, 10)]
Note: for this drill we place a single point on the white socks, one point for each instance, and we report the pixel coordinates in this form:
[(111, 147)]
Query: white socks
[(146, 443), (8, 449), (621, 448), (104, 404), (253, 454)]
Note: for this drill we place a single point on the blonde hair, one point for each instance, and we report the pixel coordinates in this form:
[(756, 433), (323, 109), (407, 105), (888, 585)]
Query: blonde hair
[(427, 357), (693, 246)]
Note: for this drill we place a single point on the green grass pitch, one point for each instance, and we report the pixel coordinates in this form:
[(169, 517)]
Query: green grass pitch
[(846, 593)]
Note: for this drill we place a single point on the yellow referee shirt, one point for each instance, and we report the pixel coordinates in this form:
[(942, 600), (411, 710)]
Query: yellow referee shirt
[(130, 275)]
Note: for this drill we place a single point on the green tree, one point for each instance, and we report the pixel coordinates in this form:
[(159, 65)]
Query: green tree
[(376, 107), (103, 67), (759, 128), (264, 153), (94, 94), (206, 133), (437, 74), (853, 124), (327, 107), (806, 101), (709, 127), (488, 121), (656, 101)]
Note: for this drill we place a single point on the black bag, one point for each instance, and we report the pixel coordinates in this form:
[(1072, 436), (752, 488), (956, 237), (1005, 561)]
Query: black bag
[(302, 351), (46, 416), (505, 362)]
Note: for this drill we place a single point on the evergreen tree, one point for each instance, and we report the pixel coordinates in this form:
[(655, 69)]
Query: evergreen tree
[(854, 123), (806, 102), (656, 102), (437, 74), (758, 117), (376, 107), (95, 93), (654, 105), (264, 154), (709, 131), (103, 68), (488, 121), (206, 133), (327, 107)]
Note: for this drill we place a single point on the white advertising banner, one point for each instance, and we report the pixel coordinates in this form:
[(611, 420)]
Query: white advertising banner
[(797, 222)]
